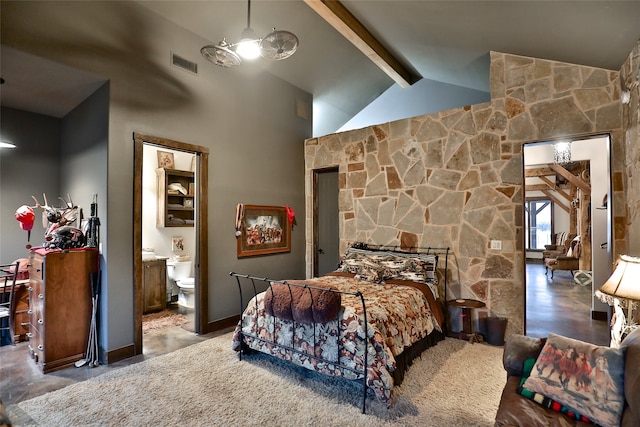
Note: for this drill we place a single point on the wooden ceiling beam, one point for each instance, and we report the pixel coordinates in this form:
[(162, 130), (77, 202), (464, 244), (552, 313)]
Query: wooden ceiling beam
[(348, 25), (542, 171), (578, 182), (555, 200), (544, 187), (553, 186)]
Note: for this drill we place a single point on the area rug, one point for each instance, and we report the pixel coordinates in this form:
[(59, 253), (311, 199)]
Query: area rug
[(454, 383), (162, 319)]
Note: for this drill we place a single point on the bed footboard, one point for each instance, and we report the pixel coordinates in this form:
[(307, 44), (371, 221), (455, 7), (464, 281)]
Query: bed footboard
[(255, 285)]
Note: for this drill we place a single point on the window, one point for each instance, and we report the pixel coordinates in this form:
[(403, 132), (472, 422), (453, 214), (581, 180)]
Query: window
[(538, 223)]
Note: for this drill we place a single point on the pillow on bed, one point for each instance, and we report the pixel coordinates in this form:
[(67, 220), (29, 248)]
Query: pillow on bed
[(304, 305), (421, 264), (353, 259), (393, 268), (349, 266), (565, 365), (370, 271), (317, 306), (278, 300)]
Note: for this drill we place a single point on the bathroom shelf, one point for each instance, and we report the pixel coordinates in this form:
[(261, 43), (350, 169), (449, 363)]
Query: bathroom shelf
[(175, 208)]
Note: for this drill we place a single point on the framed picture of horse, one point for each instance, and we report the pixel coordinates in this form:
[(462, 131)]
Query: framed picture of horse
[(264, 230)]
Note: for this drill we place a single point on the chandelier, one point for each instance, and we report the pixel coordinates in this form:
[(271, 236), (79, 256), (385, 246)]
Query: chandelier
[(276, 45), (562, 152)]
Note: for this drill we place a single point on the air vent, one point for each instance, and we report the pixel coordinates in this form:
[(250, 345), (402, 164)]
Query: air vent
[(185, 64)]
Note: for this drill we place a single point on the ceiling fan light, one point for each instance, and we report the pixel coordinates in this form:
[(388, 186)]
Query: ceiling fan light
[(249, 45), (7, 144)]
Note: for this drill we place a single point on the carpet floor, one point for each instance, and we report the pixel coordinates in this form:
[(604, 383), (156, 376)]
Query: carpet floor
[(453, 384)]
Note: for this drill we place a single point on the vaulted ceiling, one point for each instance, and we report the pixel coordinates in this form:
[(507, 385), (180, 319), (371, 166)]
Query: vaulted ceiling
[(445, 41)]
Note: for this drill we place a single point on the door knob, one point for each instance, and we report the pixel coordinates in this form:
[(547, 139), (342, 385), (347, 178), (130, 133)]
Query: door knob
[(320, 251)]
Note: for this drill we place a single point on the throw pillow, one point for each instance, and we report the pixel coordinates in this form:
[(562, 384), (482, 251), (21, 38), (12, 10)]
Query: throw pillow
[(543, 400), (582, 376), (370, 271), (583, 277)]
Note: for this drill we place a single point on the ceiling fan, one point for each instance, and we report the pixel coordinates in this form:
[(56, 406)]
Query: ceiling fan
[(276, 45)]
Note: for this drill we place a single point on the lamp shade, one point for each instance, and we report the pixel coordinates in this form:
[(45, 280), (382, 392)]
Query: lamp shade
[(624, 283)]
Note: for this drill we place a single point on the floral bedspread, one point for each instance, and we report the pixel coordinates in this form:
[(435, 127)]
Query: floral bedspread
[(397, 316)]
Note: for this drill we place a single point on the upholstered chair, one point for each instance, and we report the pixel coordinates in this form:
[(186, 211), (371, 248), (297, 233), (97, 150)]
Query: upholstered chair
[(569, 261)]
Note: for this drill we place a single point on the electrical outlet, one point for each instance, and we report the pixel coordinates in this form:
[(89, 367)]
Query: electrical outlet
[(496, 245)]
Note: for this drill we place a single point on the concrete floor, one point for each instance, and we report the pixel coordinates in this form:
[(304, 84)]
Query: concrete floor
[(21, 380), (561, 306)]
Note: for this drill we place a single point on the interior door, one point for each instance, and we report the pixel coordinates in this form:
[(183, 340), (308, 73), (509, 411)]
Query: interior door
[(328, 229)]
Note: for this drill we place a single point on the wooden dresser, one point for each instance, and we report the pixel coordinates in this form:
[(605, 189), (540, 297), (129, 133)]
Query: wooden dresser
[(60, 305)]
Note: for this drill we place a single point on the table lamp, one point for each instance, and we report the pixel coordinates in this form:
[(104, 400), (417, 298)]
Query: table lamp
[(622, 290)]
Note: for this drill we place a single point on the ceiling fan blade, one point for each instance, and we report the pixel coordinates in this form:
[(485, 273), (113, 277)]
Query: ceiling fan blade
[(221, 55), (278, 45)]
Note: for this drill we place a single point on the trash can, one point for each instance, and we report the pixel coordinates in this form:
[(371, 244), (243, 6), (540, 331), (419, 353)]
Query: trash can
[(495, 328)]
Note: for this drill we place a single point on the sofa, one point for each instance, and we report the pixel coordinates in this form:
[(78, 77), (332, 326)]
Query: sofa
[(516, 408)]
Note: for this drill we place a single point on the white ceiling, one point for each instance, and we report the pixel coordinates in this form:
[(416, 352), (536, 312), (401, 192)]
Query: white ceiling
[(447, 41)]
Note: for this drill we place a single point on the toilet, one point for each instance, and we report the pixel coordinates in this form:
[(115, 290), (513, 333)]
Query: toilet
[(180, 272), (186, 294)]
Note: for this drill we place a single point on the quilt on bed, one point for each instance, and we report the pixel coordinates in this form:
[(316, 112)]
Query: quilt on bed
[(397, 317)]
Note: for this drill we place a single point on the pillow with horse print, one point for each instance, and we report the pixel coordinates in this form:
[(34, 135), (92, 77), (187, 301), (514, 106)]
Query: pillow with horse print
[(582, 376)]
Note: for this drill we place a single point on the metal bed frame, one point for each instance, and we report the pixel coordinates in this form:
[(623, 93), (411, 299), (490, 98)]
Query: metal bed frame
[(244, 278), (245, 348)]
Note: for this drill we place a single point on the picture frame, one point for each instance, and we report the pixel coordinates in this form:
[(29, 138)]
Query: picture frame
[(265, 231), (188, 203), (177, 244), (166, 160)]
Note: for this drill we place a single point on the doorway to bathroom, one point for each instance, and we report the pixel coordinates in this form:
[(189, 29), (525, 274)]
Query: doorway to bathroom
[(170, 228)]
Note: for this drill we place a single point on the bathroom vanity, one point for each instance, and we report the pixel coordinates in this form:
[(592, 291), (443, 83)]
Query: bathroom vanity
[(59, 305), (154, 285)]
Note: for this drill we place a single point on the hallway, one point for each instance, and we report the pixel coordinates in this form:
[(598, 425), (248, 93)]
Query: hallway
[(560, 306)]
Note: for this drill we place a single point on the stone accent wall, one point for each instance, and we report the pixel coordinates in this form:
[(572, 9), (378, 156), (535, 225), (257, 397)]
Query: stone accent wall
[(455, 178), (630, 75)]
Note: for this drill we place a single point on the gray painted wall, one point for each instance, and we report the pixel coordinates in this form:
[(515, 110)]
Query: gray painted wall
[(245, 117), (30, 169)]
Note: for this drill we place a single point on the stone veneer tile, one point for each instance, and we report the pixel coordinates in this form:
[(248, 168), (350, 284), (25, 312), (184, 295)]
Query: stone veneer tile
[(408, 240), (393, 180), (355, 166)]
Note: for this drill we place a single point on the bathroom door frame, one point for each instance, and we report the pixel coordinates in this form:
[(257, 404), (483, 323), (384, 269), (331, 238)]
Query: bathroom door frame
[(201, 228)]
